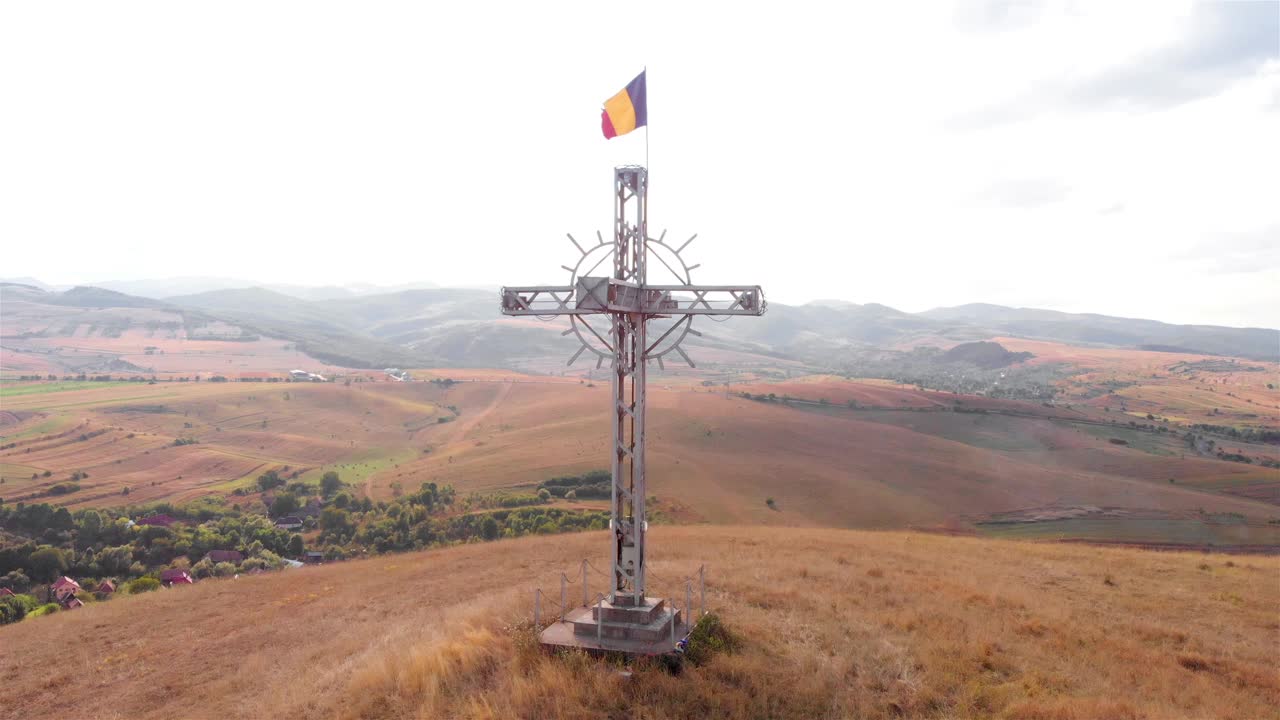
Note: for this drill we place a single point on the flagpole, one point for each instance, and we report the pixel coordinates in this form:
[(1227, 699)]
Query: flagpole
[(646, 121)]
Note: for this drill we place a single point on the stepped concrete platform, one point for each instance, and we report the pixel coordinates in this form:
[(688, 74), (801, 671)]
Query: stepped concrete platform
[(649, 628)]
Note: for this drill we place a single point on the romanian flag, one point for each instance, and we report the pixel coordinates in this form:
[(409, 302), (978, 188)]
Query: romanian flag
[(625, 111)]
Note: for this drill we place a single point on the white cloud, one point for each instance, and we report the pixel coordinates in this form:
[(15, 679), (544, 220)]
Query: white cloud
[(880, 153)]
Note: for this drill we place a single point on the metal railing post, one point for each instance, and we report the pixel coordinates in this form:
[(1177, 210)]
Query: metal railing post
[(688, 601), (702, 589), (563, 598), (600, 621), (537, 608), (585, 601)]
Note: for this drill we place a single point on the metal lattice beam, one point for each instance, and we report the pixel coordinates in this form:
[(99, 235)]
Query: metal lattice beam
[(630, 303)]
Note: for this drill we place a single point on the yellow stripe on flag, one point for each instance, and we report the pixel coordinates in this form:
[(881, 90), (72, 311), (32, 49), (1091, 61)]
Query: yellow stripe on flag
[(621, 112)]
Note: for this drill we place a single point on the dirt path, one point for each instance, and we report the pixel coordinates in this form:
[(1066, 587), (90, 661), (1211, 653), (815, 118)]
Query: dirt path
[(454, 432), (460, 428)]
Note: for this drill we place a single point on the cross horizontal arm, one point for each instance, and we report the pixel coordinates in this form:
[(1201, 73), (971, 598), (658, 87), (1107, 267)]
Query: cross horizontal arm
[(541, 300), (606, 295), (708, 299)]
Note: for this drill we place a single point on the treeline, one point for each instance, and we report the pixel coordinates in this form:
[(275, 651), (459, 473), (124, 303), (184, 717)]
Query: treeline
[(108, 543), (94, 545), (1259, 435), (83, 377), (593, 484)]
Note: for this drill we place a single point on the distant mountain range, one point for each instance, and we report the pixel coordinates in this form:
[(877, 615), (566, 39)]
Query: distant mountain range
[(439, 326), (169, 287)]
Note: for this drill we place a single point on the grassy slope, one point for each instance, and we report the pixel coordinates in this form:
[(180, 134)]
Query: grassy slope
[(833, 624)]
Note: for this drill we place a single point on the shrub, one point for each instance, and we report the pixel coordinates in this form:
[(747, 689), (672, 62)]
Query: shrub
[(45, 609), (224, 569), (202, 569), (544, 494), (141, 585), (709, 636), (15, 607)]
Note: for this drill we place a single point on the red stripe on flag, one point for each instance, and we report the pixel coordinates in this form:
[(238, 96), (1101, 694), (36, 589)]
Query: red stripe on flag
[(607, 125)]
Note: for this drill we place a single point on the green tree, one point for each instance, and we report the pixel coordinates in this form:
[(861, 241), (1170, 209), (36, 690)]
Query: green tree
[(334, 520), (544, 494), (284, 504), (47, 563), (269, 479), (330, 483), (16, 580), (296, 547), (489, 528), (90, 527)]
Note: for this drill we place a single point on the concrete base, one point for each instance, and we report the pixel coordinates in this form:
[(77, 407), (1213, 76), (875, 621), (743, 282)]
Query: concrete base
[(650, 628)]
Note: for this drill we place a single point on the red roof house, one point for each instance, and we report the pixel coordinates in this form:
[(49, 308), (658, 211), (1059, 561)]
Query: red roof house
[(72, 604), (106, 586), (64, 588), (173, 576)]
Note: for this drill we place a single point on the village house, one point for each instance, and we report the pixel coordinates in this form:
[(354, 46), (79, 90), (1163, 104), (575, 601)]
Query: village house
[(313, 557), (174, 576), (105, 587), (63, 591), (289, 522), (235, 557)]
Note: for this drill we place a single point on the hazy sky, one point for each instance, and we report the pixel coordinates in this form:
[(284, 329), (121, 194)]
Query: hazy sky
[(1114, 157)]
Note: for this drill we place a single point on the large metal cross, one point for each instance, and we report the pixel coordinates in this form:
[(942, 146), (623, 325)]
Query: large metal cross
[(630, 303)]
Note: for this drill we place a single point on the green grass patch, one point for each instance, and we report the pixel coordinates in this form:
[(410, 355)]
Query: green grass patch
[(1182, 531), (358, 468), (1150, 443), (37, 388), (16, 475), (51, 425), (109, 401)]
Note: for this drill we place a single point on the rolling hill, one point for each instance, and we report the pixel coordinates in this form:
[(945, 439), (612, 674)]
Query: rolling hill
[(453, 327), (903, 458), (1091, 329), (824, 624)]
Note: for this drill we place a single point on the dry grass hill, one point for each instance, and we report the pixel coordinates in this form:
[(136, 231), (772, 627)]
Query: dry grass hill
[(903, 459), (829, 624)]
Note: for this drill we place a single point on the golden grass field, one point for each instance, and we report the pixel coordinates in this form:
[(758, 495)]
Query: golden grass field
[(831, 623), (713, 456)]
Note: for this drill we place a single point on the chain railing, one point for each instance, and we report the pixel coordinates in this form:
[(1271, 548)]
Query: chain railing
[(699, 576)]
